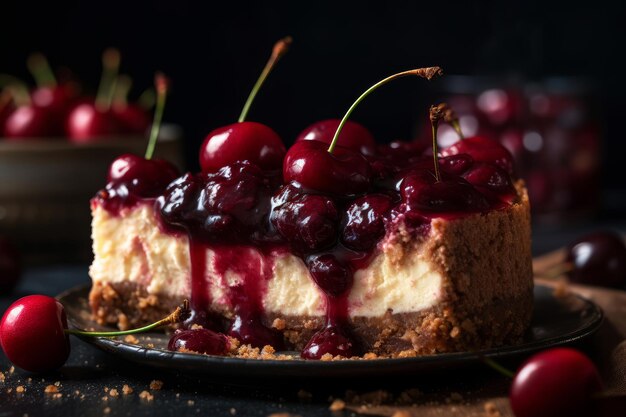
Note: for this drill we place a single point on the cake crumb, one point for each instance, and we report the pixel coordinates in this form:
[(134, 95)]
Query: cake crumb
[(232, 411), (401, 413), (127, 390), (156, 384), (29, 380), (77, 392), (105, 398), (279, 324), (51, 389), (11, 370), (370, 355), (9, 390), (106, 389), (145, 395), (455, 332), (106, 410), (491, 410), (337, 405), (131, 339), (190, 402), (114, 393), (2, 377), (326, 357), (20, 389), (305, 395)]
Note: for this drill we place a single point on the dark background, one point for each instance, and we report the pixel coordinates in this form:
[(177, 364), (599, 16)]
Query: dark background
[(214, 51)]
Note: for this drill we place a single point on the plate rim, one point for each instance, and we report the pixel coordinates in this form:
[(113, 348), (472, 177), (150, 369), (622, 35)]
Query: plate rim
[(146, 355)]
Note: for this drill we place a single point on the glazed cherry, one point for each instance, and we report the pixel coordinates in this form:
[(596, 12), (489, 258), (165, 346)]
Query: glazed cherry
[(250, 330), (491, 180), (447, 196), (31, 324), (308, 222), (333, 277), (229, 205), (353, 135), (598, 259), (555, 382), (456, 164), (482, 149), (10, 269), (364, 223), (344, 172), (199, 340), (243, 141), (330, 340)]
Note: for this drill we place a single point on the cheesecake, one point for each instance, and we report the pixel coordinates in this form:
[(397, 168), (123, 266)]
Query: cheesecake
[(418, 255)]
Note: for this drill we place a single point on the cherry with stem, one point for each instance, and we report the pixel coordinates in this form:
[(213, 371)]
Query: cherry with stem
[(246, 140), (36, 319)]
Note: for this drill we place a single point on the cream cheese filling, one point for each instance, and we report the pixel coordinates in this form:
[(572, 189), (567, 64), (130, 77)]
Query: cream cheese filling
[(131, 247)]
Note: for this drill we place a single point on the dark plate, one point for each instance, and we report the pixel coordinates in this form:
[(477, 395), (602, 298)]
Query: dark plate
[(555, 322)]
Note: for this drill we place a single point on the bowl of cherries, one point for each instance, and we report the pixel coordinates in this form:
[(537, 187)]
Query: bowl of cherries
[(57, 142)]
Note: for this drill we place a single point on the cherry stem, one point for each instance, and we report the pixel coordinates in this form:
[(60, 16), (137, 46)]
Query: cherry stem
[(436, 114), (161, 83), (110, 67), (17, 88), (497, 367), (449, 116), (180, 314), (122, 88), (427, 73), (39, 67), (280, 48)]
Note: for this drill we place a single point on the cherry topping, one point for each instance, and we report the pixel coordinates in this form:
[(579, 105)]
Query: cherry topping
[(446, 196), (246, 141), (250, 330), (482, 149), (353, 135), (330, 274), (10, 269), (555, 382), (344, 172), (199, 340), (242, 141), (308, 222), (364, 221), (456, 164), (227, 206), (491, 180), (30, 323), (598, 259), (332, 340)]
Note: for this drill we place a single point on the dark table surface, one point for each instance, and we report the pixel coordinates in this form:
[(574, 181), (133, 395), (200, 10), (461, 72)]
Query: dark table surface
[(89, 373)]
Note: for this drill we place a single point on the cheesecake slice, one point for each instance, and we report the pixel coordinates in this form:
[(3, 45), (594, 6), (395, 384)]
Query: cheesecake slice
[(409, 267)]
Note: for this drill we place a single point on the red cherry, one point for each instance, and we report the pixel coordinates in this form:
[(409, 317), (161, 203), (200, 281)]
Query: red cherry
[(133, 118), (353, 135), (243, 141), (86, 123), (10, 270), (30, 121), (32, 333), (598, 259), (142, 174), (344, 172), (555, 382), (482, 149)]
